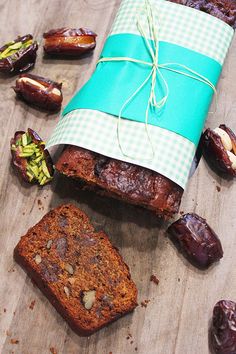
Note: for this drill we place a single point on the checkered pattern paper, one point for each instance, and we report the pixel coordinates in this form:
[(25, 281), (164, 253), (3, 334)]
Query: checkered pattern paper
[(182, 25), (97, 131)]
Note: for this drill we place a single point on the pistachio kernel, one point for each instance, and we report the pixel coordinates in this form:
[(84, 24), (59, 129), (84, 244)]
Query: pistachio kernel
[(45, 169), (43, 180), (31, 177), (38, 166), (24, 139), (14, 47)]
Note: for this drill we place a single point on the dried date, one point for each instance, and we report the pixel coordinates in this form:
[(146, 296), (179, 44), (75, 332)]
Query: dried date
[(69, 41), (223, 328), (30, 157), (41, 92), (196, 240), (19, 55), (219, 150)]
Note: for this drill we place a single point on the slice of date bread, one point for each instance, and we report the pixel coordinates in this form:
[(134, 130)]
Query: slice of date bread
[(130, 183), (80, 272)]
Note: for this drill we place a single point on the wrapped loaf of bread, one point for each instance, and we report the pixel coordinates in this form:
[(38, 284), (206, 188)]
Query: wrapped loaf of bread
[(113, 142)]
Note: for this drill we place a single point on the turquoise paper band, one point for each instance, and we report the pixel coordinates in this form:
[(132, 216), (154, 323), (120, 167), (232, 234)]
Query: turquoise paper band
[(114, 82)]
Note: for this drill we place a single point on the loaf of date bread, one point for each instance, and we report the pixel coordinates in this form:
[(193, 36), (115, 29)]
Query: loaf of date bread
[(133, 184), (79, 271)]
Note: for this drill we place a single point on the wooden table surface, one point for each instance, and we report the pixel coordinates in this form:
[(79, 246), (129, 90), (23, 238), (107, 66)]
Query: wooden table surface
[(176, 319)]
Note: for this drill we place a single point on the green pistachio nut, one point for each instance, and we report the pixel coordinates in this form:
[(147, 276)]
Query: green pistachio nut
[(45, 169), (15, 46), (36, 164), (40, 177), (27, 44), (35, 170), (26, 154), (38, 159), (43, 181), (24, 139), (31, 177)]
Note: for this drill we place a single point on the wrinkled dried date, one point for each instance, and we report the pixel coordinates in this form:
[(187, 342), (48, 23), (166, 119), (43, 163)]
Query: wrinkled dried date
[(19, 55), (69, 41), (30, 157), (100, 165), (196, 240), (39, 91), (223, 328), (219, 149)]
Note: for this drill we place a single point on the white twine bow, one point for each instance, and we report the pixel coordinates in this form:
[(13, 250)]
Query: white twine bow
[(155, 73)]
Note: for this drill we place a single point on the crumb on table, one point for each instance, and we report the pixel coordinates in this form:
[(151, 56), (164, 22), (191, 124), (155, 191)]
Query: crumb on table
[(31, 306), (40, 202), (14, 341), (11, 270), (129, 336), (154, 279), (145, 303)]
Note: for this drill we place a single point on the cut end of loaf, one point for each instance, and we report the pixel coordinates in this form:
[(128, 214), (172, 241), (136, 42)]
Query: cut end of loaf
[(124, 181)]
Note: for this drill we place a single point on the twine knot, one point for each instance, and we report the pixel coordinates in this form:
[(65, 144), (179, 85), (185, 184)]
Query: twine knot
[(145, 14)]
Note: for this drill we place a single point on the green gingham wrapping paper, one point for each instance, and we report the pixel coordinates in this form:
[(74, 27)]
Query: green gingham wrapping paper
[(97, 131), (177, 152), (181, 25)]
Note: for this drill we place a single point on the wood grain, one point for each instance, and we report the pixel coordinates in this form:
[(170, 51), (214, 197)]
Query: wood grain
[(177, 317)]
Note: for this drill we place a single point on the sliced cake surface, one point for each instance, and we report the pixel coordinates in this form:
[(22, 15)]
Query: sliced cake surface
[(78, 269)]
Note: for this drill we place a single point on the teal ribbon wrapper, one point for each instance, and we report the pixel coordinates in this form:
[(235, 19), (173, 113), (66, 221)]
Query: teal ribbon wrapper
[(114, 82)]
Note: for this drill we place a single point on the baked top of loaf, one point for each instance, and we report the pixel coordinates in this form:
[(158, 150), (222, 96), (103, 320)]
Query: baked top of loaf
[(78, 269), (131, 183), (225, 10)]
